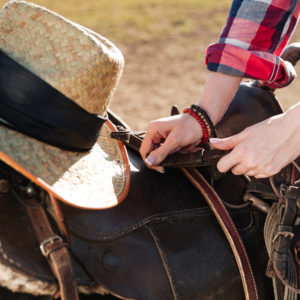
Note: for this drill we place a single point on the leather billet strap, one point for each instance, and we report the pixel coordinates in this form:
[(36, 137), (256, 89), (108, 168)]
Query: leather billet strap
[(129, 138), (55, 251), (229, 229), (200, 158)]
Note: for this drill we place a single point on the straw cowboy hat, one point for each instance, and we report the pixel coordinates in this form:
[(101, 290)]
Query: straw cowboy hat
[(56, 81)]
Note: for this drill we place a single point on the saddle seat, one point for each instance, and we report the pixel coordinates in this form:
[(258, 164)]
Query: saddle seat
[(162, 242)]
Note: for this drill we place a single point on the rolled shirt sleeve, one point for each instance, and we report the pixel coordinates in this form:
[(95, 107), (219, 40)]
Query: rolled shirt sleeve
[(252, 40)]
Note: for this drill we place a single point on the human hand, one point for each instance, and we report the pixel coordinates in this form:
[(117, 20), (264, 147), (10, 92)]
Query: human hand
[(183, 132), (168, 135), (263, 149)]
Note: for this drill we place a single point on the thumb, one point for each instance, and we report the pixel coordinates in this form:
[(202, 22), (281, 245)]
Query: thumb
[(159, 154), (226, 143)]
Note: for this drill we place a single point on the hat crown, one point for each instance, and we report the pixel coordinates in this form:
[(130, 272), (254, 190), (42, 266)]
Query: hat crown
[(81, 64)]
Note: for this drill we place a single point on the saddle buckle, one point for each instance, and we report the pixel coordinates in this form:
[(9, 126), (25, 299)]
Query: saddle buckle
[(52, 240), (257, 202)]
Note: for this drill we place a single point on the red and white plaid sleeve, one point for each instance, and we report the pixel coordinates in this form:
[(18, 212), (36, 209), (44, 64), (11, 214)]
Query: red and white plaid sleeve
[(252, 40)]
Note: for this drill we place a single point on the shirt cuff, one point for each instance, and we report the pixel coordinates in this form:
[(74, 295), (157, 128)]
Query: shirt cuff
[(236, 61)]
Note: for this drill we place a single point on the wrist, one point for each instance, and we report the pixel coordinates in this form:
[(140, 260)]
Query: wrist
[(193, 127), (217, 94), (291, 120), (205, 131)]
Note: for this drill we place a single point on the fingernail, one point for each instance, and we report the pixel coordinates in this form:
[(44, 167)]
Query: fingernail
[(161, 170), (215, 141), (150, 160)]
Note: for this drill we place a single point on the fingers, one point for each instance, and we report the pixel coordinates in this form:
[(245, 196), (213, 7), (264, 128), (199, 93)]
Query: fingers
[(256, 174), (261, 176), (157, 132), (159, 154), (168, 135), (149, 143), (227, 162), (226, 143), (250, 173), (239, 163), (240, 169), (235, 157)]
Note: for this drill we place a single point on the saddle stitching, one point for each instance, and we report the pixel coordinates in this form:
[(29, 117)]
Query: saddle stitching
[(101, 235), (164, 261), (19, 266), (5, 256)]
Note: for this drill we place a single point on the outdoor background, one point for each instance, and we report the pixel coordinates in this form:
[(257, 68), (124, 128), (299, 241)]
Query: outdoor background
[(164, 43)]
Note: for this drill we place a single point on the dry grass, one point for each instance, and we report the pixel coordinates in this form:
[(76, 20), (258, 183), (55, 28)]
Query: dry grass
[(135, 20), (164, 43)]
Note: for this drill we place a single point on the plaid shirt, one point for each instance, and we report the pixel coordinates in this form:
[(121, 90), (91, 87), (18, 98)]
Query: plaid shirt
[(253, 38)]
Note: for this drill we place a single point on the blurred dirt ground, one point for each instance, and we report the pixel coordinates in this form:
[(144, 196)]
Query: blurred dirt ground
[(164, 52), (164, 44), (162, 73)]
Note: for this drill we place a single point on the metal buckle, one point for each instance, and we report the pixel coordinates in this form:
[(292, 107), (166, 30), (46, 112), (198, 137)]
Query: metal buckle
[(257, 202), (51, 240)]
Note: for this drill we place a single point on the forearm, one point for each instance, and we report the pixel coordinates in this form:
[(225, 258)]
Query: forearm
[(292, 122), (218, 92)]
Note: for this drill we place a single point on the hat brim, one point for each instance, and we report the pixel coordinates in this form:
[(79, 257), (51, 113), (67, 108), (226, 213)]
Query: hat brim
[(96, 179)]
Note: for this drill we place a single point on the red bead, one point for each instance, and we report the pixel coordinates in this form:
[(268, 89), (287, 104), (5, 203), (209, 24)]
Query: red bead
[(201, 122)]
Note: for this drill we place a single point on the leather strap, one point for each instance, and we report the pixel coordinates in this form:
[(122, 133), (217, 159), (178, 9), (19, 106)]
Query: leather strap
[(187, 162), (229, 229), (129, 138), (55, 250), (200, 158)]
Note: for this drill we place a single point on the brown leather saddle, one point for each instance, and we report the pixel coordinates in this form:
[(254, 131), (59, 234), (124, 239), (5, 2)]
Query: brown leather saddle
[(162, 242)]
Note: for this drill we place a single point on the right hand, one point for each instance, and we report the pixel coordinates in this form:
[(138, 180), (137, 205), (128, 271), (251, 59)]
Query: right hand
[(168, 135)]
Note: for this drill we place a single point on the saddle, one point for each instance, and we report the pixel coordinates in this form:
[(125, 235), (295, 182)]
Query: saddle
[(157, 244), (163, 241)]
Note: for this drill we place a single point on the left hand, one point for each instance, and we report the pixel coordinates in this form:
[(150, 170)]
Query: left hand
[(263, 149)]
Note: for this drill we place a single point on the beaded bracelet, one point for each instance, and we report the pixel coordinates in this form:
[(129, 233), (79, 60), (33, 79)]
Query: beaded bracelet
[(206, 119), (202, 124)]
